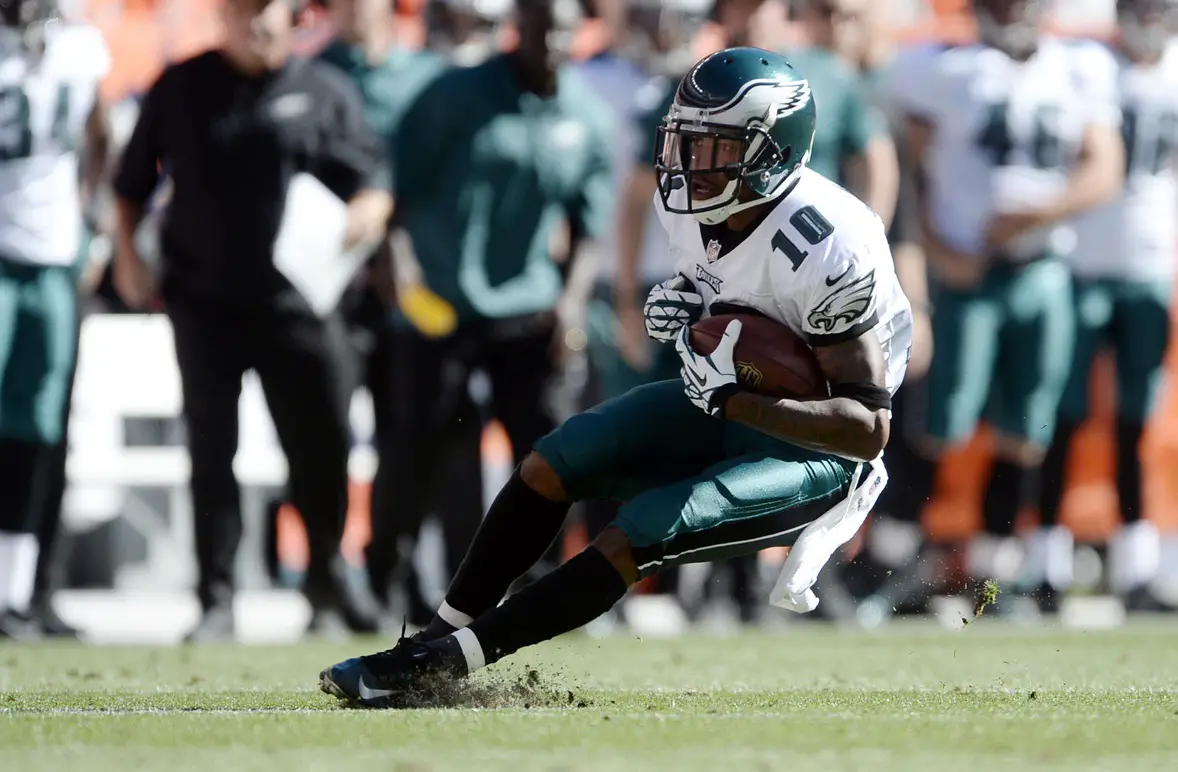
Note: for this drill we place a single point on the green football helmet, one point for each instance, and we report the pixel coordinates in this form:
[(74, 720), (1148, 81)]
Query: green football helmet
[(756, 106)]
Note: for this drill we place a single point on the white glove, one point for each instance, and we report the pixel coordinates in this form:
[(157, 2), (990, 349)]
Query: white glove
[(709, 380), (671, 306)]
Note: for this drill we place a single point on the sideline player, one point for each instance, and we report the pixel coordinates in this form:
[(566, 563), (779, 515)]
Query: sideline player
[(1013, 137), (1123, 269), (49, 76), (707, 470)]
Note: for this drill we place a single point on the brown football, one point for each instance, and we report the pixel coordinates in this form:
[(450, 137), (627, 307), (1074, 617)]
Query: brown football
[(770, 358)]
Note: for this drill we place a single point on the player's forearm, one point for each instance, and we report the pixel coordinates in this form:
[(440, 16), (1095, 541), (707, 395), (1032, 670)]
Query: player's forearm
[(840, 426), (912, 272), (881, 183), (1096, 181), (631, 235), (128, 215)]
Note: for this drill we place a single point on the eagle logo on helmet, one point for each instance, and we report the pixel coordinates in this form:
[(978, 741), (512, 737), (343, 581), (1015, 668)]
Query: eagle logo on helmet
[(795, 96), (846, 304)]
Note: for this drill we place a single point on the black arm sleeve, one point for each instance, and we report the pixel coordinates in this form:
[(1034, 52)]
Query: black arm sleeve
[(351, 157), (138, 172)]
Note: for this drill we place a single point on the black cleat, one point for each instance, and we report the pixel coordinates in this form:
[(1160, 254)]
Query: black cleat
[(397, 678)]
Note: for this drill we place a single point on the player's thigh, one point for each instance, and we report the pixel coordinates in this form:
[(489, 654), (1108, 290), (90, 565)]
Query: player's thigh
[(42, 346), (1141, 333), (1037, 344), (735, 507), (645, 437), (965, 349), (1092, 308)]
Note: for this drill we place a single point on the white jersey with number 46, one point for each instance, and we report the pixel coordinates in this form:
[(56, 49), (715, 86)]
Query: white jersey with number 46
[(44, 104), (819, 263), (1135, 236), (1006, 133)]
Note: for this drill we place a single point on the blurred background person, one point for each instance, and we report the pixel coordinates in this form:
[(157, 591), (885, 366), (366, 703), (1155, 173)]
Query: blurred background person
[(852, 143), (650, 45), (49, 72), (232, 126), (892, 569), (467, 32), (389, 78), (489, 160), (1012, 138), (1123, 270)]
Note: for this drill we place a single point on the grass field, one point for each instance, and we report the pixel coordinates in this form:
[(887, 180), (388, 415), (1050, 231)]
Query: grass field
[(987, 697)]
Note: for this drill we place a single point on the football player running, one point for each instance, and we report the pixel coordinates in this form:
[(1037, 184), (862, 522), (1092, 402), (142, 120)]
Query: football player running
[(1012, 137), (1123, 268), (49, 76), (706, 469)]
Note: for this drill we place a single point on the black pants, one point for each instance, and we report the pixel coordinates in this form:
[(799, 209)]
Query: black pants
[(304, 368), (435, 424)]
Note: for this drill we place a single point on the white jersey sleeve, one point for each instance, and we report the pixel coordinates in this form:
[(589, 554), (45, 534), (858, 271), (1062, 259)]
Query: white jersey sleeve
[(912, 86), (1095, 74)]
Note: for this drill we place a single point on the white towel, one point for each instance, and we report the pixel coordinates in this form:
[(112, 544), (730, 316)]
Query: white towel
[(822, 537)]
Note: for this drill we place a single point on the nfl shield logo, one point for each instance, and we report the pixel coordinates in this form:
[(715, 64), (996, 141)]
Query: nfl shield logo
[(713, 250)]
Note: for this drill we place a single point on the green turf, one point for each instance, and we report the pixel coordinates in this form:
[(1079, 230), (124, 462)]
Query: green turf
[(984, 698)]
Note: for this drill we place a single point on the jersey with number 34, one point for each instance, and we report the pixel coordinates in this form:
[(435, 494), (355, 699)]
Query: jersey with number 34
[(44, 103), (819, 264)]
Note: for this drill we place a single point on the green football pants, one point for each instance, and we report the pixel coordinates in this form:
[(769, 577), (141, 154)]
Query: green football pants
[(38, 341), (1133, 319), (1002, 350), (613, 373), (695, 488)]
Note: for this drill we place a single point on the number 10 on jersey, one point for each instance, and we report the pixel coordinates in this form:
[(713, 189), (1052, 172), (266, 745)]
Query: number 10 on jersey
[(811, 226)]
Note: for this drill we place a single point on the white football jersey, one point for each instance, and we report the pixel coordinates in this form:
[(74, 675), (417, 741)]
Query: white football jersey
[(819, 264), (1135, 237), (44, 104), (1006, 133)]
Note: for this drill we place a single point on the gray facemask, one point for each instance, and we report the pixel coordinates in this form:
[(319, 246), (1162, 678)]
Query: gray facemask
[(1017, 39), (1143, 41)]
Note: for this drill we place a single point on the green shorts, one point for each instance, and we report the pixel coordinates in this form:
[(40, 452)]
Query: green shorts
[(614, 375), (1131, 318), (38, 342), (695, 488), (1003, 351)]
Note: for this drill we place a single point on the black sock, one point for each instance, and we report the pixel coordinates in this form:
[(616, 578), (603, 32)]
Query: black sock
[(1129, 469), (24, 467), (1010, 485), (515, 533), (571, 596), (1055, 466)]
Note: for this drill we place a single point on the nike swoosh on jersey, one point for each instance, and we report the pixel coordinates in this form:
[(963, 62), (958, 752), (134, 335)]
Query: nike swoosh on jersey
[(831, 282), (369, 693)]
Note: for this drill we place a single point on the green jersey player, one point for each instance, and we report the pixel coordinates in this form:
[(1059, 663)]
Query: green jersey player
[(707, 470)]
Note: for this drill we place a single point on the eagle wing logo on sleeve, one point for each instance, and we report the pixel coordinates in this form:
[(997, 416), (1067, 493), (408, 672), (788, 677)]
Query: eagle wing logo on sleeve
[(847, 303)]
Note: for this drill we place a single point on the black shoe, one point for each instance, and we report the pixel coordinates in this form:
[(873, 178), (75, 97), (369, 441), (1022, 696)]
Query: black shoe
[(216, 626), (1142, 599), (1048, 598), (49, 623), (351, 597), (18, 628), (408, 675)]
